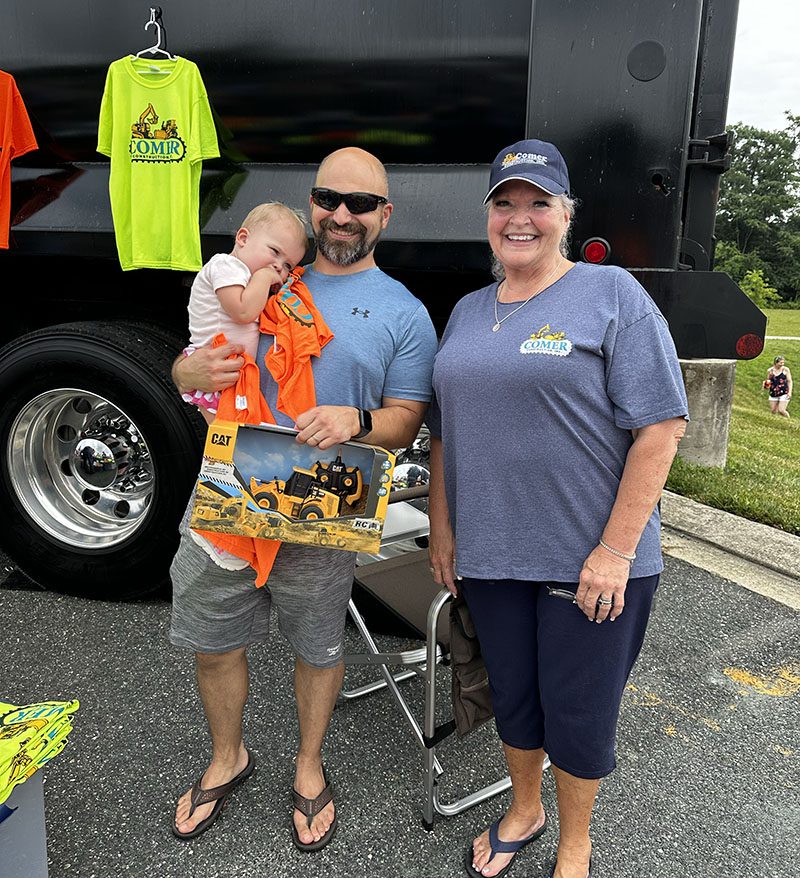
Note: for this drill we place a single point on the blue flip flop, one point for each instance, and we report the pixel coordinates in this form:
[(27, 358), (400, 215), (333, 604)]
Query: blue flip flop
[(501, 847)]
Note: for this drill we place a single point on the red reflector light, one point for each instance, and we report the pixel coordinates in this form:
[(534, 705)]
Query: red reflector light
[(595, 250), (749, 346)]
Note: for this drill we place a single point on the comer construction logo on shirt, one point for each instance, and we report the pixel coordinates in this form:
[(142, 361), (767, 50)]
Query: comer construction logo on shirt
[(546, 341), (151, 144)]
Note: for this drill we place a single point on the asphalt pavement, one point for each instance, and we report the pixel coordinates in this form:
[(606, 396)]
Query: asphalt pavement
[(708, 750)]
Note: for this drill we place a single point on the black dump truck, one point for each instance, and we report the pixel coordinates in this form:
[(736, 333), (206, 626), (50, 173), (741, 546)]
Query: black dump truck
[(633, 92)]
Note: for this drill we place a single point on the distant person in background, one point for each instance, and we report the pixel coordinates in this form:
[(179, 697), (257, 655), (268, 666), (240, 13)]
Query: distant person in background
[(779, 384)]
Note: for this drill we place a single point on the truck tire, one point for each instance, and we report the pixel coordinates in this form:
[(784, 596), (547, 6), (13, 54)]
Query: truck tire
[(98, 455)]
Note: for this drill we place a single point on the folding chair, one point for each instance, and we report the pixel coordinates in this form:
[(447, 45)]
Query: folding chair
[(403, 585)]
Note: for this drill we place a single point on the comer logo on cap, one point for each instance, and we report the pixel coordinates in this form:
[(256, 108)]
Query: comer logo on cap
[(527, 158), (534, 161)]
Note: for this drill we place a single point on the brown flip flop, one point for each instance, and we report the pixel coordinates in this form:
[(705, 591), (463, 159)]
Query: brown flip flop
[(310, 808), (218, 795)]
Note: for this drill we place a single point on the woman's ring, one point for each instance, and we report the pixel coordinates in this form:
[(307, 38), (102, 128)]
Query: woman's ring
[(605, 602)]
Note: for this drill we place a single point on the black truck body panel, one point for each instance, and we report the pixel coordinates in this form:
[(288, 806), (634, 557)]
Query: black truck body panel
[(434, 89), (633, 92)]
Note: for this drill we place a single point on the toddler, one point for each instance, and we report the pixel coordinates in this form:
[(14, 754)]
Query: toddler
[(231, 289)]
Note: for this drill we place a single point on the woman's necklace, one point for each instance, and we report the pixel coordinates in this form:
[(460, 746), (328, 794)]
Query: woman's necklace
[(498, 320)]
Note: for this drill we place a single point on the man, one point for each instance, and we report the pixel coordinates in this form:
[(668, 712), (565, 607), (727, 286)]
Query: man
[(378, 364)]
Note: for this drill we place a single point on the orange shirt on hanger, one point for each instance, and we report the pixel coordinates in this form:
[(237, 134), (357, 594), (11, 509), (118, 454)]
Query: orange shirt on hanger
[(16, 138)]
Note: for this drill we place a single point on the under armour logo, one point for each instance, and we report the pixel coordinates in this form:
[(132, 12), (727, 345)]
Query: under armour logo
[(356, 311)]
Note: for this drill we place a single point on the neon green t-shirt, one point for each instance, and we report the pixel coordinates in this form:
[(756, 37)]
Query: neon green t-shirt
[(30, 736), (157, 129)]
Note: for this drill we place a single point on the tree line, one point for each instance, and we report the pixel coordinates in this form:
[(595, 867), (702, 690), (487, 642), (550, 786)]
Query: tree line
[(758, 216)]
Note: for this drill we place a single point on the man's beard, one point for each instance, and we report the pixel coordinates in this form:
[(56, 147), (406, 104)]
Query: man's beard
[(344, 253)]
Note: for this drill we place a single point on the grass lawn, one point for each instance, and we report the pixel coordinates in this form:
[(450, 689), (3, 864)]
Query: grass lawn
[(781, 322), (762, 478)]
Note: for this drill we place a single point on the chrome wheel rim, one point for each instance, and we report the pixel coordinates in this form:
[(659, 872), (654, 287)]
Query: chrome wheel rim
[(81, 468)]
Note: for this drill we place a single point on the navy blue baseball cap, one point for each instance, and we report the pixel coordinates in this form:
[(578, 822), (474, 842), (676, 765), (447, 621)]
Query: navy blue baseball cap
[(534, 161)]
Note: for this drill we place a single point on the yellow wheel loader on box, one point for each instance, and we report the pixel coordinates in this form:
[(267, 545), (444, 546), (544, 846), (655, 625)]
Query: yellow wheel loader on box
[(319, 492)]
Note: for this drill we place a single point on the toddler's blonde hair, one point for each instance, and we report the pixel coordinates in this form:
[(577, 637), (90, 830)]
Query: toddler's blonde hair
[(272, 210)]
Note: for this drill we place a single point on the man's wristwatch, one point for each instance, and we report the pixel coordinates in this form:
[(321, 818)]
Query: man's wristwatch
[(364, 422)]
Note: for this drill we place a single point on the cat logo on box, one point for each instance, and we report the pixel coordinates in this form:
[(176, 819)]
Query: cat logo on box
[(220, 441)]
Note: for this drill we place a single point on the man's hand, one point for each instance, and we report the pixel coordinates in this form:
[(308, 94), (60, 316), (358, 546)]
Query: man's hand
[(327, 425), (208, 369)]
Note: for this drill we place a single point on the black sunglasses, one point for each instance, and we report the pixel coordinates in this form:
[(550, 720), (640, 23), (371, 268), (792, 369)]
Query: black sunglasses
[(355, 202)]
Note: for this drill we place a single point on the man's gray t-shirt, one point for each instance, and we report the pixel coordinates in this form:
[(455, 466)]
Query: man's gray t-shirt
[(383, 345), (535, 420)]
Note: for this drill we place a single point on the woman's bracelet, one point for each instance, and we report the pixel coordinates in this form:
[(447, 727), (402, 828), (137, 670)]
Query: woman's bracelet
[(629, 558)]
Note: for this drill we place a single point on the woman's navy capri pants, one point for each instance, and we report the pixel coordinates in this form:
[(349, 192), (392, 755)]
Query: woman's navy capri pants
[(556, 678)]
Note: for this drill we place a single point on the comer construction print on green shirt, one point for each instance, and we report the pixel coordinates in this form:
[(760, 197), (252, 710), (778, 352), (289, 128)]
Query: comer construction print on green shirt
[(156, 125)]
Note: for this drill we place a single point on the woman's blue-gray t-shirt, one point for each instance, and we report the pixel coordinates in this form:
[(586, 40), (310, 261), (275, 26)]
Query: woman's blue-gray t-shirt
[(535, 420)]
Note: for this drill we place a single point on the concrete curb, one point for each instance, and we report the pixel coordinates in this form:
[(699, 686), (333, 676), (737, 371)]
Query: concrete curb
[(758, 543)]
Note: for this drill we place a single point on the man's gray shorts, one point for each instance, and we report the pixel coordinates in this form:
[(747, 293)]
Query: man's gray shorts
[(216, 610)]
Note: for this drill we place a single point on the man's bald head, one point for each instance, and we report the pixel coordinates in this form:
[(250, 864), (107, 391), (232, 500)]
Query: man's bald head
[(353, 170)]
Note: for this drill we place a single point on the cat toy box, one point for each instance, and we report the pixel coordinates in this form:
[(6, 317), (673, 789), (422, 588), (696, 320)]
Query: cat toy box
[(257, 481)]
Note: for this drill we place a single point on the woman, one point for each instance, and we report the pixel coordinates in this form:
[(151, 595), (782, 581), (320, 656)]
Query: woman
[(779, 384), (559, 407)]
